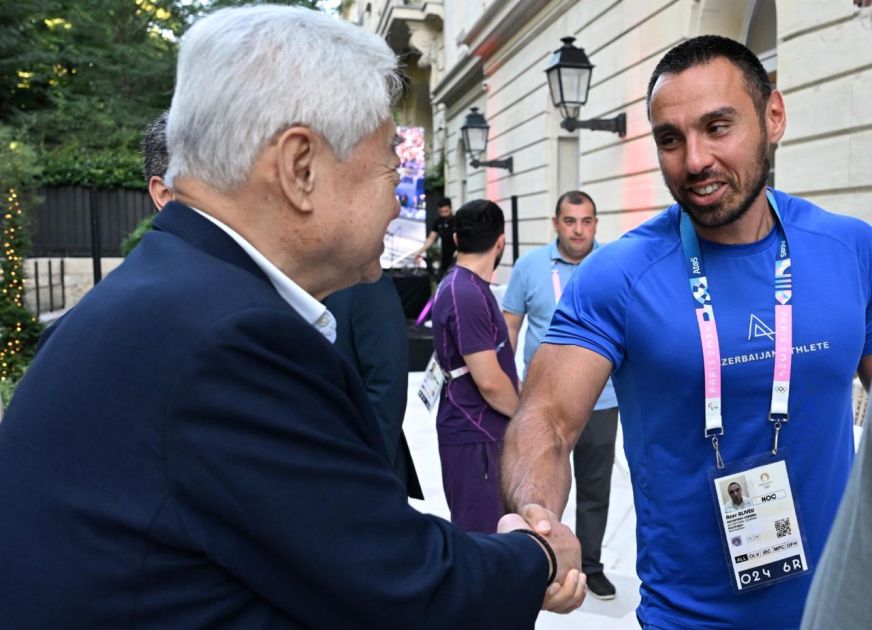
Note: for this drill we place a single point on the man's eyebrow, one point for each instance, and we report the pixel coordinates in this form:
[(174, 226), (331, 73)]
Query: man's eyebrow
[(716, 114), (664, 127)]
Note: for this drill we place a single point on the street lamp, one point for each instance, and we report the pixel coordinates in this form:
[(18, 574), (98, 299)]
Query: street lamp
[(474, 130), (569, 73)]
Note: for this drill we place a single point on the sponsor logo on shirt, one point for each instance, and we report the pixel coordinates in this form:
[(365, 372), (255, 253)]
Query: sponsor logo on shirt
[(758, 328)]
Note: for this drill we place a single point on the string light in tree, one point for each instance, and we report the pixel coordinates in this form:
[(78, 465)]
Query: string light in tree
[(16, 322)]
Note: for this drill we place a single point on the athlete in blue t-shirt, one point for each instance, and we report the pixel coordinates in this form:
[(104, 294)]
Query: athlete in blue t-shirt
[(629, 311)]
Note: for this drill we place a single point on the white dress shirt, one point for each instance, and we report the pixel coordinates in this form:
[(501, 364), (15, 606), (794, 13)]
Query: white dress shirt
[(307, 306)]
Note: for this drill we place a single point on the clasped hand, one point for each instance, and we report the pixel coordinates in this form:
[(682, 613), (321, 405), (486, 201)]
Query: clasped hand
[(569, 588)]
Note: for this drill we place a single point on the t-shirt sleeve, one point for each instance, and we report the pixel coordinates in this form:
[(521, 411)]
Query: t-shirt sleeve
[(592, 310), (867, 348), (866, 272), (860, 233), (475, 330), (867, 345), (514, 301)]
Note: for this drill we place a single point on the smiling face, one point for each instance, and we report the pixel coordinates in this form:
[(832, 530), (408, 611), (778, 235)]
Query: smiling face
[(712, 143)]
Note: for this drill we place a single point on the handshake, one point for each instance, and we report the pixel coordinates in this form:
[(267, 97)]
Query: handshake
[(567, 591)]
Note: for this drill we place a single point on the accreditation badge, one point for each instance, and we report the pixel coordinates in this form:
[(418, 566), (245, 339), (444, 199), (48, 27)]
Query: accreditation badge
[(431, 386), (759, 518)]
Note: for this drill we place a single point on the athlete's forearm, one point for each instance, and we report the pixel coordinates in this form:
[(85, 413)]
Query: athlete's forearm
[(535, 464), (561, 388)]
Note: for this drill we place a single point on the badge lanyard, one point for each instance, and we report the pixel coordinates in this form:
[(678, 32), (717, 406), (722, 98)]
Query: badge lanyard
[(705, 318), (555, 282)]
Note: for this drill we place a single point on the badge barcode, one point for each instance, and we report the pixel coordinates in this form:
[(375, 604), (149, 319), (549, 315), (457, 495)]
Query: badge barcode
[(782, 527)]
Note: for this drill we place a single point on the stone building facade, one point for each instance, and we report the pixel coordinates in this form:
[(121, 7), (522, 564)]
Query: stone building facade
[(491, 54)]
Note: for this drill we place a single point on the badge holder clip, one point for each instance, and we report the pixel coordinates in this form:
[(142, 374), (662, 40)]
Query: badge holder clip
[(713, 435), (778, 420)]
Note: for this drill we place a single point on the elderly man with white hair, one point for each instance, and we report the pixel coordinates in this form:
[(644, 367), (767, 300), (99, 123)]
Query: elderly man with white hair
[(188, 450)]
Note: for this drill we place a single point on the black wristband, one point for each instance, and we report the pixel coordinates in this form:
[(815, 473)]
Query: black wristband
[(551, 555)]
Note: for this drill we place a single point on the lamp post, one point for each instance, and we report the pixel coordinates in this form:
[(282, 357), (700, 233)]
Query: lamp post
[(569, 72), (475, 130)]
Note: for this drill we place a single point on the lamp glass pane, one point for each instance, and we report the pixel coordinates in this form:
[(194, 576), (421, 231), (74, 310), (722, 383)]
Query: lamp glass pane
[(476, 139), (554, 86), (585, 83), (576, 82)]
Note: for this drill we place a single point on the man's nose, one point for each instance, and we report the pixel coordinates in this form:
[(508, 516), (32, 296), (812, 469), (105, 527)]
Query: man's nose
[(698, 156)]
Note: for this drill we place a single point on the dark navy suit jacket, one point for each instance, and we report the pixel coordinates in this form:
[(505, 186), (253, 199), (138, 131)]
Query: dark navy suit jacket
[(186, 452), (371, 334)]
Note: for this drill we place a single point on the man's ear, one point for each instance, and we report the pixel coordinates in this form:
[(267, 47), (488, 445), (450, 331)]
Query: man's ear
[(776, 117), (160, 194), (296, 149), (501, 242)]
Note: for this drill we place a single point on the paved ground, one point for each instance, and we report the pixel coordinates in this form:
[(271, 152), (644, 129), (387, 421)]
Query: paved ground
[(619, 546)]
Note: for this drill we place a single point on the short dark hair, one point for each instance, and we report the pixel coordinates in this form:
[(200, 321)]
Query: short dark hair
[(574, 197), (478, 224), (155, 158), (706, 48), (444, 201)]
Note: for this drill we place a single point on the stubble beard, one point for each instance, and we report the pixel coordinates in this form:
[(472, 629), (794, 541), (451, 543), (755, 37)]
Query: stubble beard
[(568, 252), (499, 259), (721, 214)]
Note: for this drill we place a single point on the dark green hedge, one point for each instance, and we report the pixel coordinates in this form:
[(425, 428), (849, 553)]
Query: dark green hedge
[(104, 168)]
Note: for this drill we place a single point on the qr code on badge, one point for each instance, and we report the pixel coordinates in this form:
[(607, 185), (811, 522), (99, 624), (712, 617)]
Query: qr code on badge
[(782, 527)]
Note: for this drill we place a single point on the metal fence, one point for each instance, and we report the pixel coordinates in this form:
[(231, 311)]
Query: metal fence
[(48, 287), (68, 219)]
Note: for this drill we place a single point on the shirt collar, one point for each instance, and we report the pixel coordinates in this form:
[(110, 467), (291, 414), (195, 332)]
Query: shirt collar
[(554, 252), (307, 306)]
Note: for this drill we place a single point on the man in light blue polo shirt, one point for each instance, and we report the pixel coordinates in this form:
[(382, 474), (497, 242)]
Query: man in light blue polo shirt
[(534, 289)]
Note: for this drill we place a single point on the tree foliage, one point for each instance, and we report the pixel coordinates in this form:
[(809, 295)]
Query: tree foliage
[(80, 79), (19, 329)]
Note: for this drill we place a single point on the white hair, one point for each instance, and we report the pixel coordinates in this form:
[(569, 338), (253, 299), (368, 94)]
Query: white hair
[(245, 74)]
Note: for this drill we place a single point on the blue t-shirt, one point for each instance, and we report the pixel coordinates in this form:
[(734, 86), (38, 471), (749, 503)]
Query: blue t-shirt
[(531, 293), (466, 320), (631, 303)]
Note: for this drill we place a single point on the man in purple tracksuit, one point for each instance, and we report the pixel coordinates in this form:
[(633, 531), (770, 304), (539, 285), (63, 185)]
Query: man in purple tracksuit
[(481, 387)]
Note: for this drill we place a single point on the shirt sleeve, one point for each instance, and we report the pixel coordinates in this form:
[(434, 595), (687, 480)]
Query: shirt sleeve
[(474, 326), (264, 439), (866, 264), (515, 299), (592, 310), (839, 594)]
